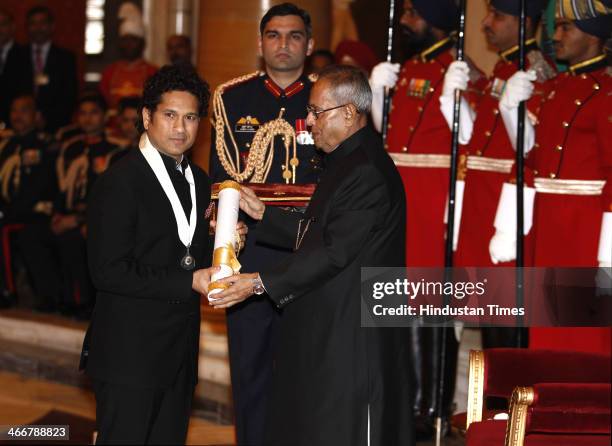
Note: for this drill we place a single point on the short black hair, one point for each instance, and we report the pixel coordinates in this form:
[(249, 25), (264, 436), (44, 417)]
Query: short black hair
[(41, 10), (181, 77), (25, 95), (323, 53), (129, 102), (93, 97), (7, 14), (286, 9)]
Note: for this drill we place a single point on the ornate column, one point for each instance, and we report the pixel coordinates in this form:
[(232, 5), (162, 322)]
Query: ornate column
[(165, 18)]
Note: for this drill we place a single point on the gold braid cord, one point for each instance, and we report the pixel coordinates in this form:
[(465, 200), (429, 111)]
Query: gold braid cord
[(261, 153), (11, 169), (76, 179)]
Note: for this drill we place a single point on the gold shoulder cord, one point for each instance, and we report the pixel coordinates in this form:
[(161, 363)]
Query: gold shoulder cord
[(11, 169), (261, 154)]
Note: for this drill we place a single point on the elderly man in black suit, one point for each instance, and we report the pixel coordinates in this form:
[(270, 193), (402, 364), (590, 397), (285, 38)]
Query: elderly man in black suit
[(147, 245), (50, 70), (335, 383)]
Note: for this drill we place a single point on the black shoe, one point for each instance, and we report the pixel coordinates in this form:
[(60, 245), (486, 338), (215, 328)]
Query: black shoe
[(7, 300), (46, 307), (425, 428)]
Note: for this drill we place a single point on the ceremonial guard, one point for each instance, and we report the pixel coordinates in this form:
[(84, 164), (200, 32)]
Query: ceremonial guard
[(260, 136), (419, 142), (490, 151), (27, 179), (59, 249), (572, 162)]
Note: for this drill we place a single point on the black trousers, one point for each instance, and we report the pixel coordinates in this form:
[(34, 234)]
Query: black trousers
[(128, 415), (251, 330)]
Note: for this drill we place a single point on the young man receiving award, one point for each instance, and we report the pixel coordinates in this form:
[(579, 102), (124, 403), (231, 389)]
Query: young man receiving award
[(148, 244)]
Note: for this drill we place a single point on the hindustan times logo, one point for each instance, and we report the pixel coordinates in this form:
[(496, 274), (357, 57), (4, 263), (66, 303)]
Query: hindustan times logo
[(458, 290)]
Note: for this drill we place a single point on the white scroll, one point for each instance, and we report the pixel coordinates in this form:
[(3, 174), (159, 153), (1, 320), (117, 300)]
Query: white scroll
[(224, 255)]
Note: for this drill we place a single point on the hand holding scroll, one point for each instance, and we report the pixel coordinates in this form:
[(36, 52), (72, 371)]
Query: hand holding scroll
[(250, 204)]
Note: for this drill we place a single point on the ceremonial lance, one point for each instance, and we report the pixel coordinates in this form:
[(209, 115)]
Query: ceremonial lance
[(520, 181), (387, 99), (448, 255)]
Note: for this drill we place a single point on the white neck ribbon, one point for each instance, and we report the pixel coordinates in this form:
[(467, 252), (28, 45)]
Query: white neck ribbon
[(154, 158)]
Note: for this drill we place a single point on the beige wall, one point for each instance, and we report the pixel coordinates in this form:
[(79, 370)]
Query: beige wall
[(475, 43)]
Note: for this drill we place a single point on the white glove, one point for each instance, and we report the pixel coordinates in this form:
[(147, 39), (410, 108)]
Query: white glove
[(518, 88), (383, 75), (603, 279), (459, 189), (456, 78), (502, 247), (604, 254)]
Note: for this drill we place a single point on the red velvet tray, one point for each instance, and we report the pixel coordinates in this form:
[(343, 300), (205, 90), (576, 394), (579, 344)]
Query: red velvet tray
[(277, 194)]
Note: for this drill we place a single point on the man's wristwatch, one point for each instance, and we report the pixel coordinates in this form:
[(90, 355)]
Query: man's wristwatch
[(258, 287)]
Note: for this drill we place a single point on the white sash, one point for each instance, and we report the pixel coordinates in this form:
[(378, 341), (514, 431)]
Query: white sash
[(153, 157)]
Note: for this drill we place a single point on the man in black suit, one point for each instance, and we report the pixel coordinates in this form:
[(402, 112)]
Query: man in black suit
[(12, 66), (50, 70), (334, 382), (147, 245)]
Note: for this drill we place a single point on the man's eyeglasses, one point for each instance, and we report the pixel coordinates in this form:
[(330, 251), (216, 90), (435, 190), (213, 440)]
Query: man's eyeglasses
[(316, 113)]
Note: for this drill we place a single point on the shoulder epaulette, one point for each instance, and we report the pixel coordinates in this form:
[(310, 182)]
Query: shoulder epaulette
[(61, 133), (538, 62), (71, 141), (3, 143), (237, 81)]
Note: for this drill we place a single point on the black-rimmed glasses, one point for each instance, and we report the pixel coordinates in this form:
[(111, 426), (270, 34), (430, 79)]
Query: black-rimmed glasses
[(316, 113)]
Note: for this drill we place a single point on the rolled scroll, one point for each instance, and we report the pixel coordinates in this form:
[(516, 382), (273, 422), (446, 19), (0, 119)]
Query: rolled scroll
[(224, 255)]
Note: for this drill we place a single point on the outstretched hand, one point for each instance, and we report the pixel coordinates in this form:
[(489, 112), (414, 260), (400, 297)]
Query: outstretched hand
[(241, 288), (250, 204), (201, 279)]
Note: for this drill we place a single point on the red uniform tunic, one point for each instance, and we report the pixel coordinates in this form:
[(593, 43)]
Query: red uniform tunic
[(491, 157), (122, 79), (419, 142), (572, 162)]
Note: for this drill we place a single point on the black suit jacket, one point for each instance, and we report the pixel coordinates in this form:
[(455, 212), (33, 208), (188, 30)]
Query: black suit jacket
[(13, 79), (56, 99), (327, 368), (146, 321)]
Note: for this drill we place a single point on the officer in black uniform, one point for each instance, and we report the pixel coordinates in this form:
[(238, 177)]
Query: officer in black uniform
[(249, 102), (59, 249), (27, 174), (126, 133)]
